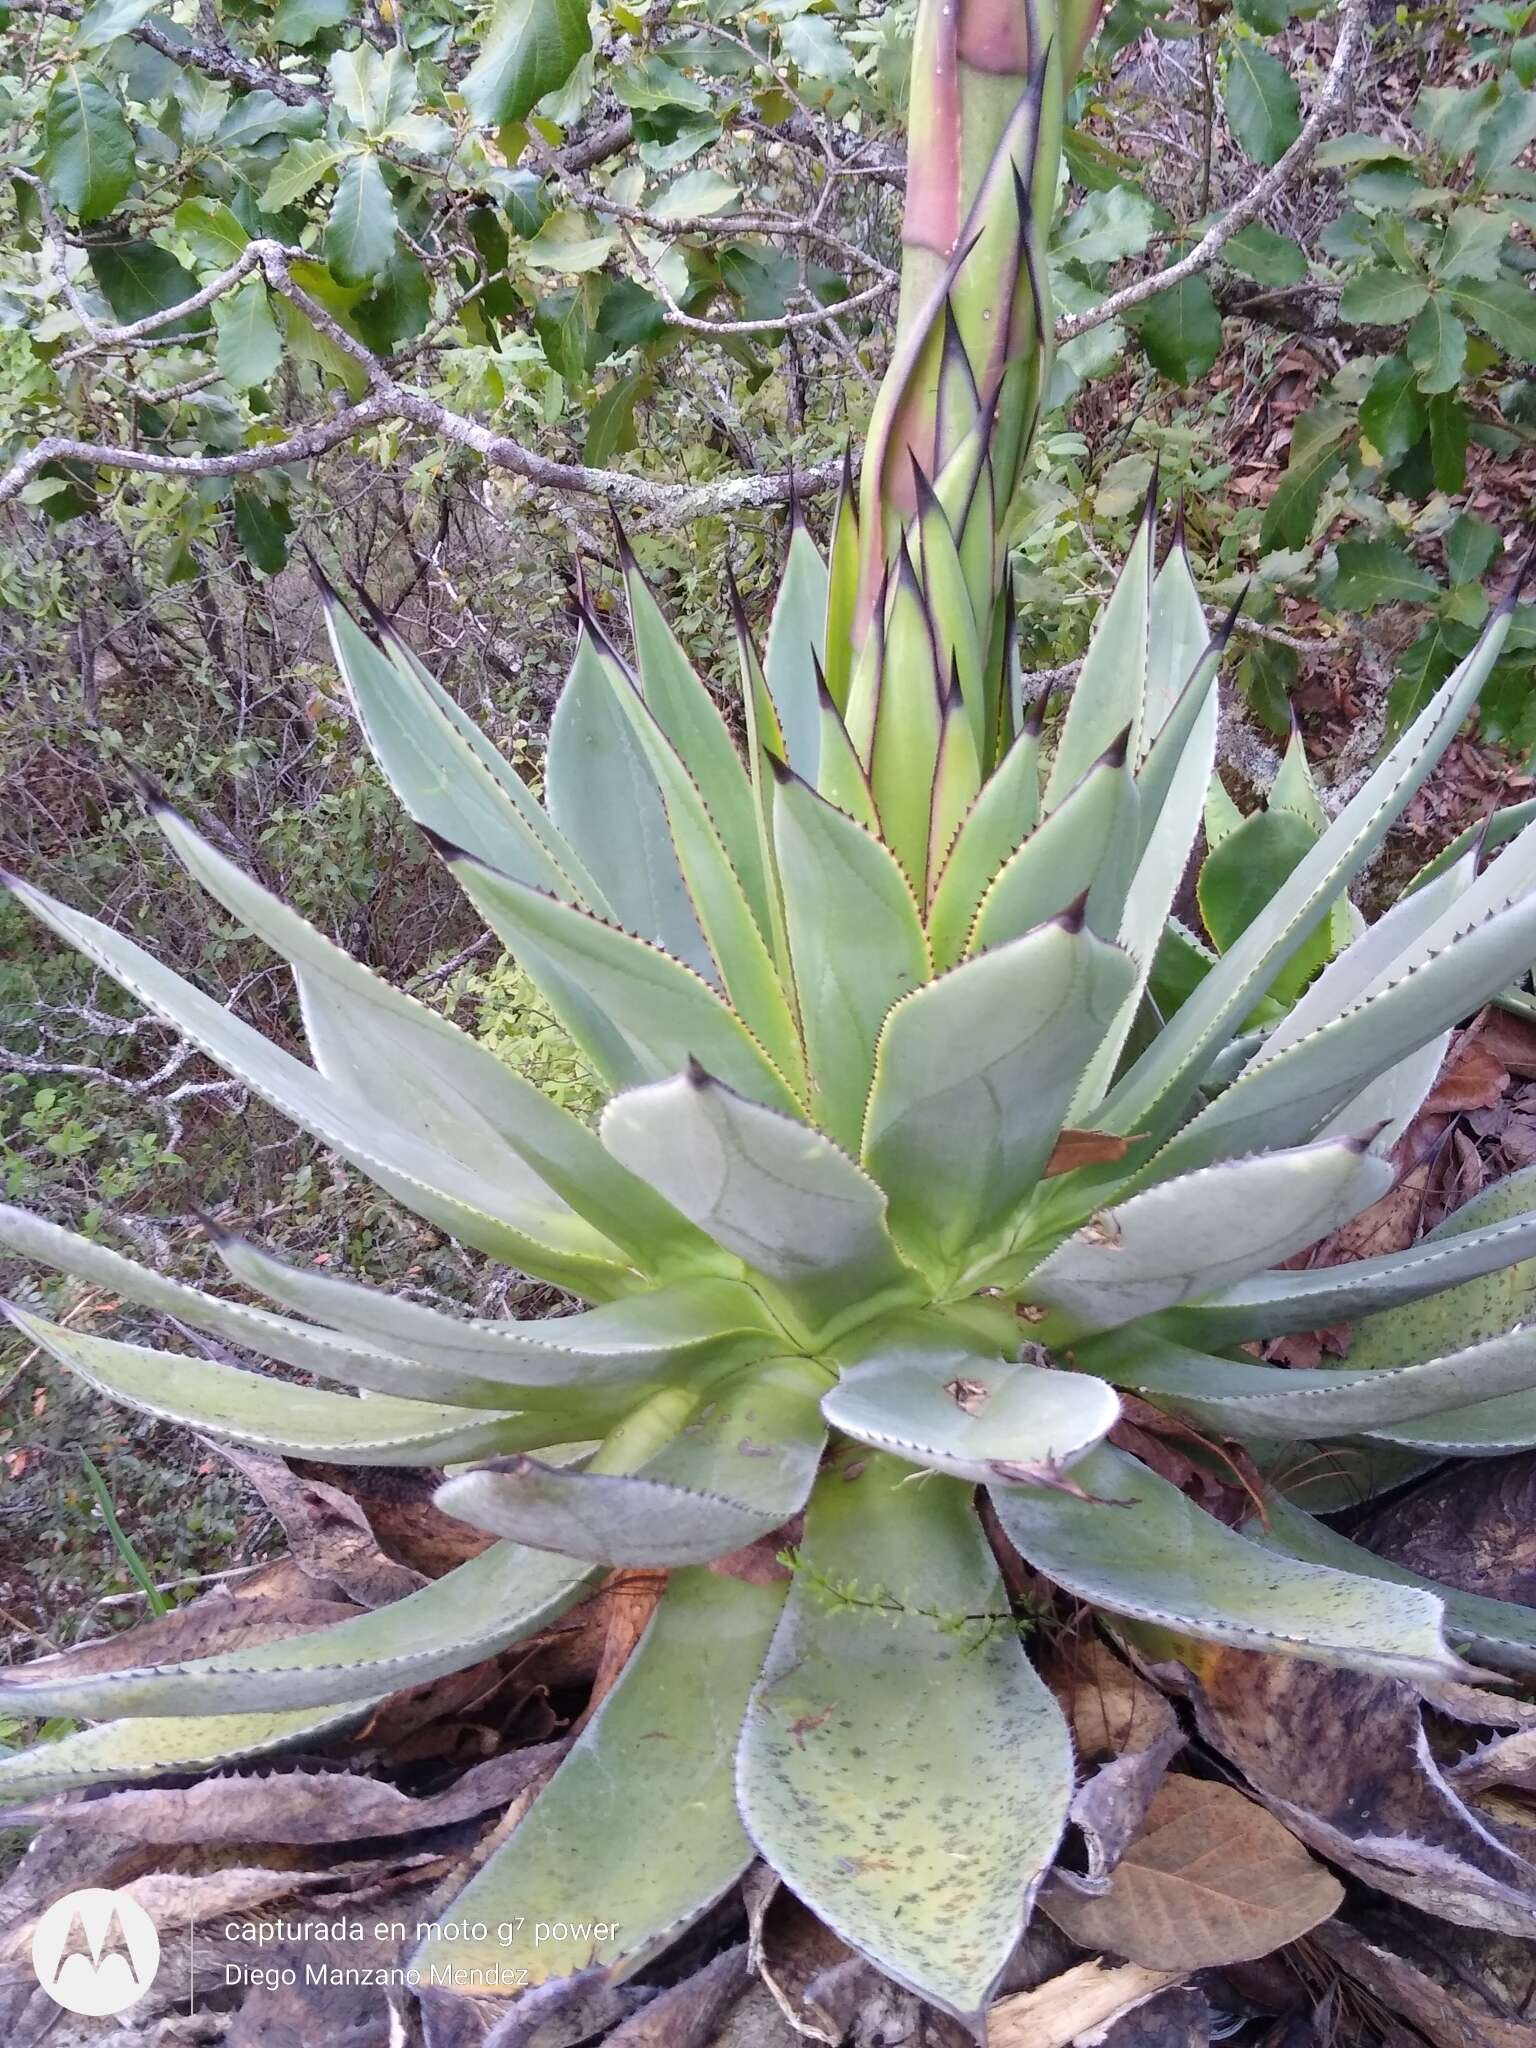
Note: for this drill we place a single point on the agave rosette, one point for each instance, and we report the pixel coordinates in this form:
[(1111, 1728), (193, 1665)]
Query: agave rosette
[(905, 1172)]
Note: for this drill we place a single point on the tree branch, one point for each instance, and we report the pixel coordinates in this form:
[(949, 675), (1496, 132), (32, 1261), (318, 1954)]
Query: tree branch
[(216, 62), (1352, 27), (387, 399)]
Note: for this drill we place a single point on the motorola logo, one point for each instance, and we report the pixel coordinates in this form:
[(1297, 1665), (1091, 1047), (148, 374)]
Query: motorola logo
[(95, 1952)]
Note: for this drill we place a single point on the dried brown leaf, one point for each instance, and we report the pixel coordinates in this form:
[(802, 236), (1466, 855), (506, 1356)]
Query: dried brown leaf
[(277, 1601), (1073, 1149), (1447, 2018), (293, 1806), (1125, 1729), (327, 1531), (1076, 2004), (1342, 1757), (688, 2014), (1511, 1040), (632, 1598), (1474, 1530), (1211, 1878), (1473, 1077)]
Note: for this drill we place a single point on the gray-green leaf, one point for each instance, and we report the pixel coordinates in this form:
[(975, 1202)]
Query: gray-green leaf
[(249, 348), (530, 48), (1263, 106), (1382, 297), (360, 234), (88, 157), (1437, 347), (1181, 330)]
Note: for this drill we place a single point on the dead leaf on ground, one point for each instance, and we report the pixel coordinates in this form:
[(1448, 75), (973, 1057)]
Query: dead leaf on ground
[(178, 1899), (1222, 1477), (1474, 1530), (293, 1806), (328, 1532), (1079, 2002), (1511, 1039), (1179, 2017), (1447, 2018), (1126, 1733), (758, 1563), (400, 1505), (276, 1601), (1211, 1878), (1507, 1760), (567, 2010), (630, 1603), (687, 2015), (1343, 1759), (1473, 1076)]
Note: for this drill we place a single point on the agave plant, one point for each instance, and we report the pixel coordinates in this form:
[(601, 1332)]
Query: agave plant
[(905, 1172)]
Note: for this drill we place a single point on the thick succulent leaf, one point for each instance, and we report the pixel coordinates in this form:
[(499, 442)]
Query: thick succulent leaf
[(908, 718), (454, 783), (354, 1362), (1501, 1632), (1289, 1093), (687, 714), (842, 588), (840, 775), (637, 1830), (299, 1422), (956, 779), (737, 942), (1240, 1399), (920, 1682), (768, 1188), (443, 768), (973, 1076), (1108, 697), (1163, 1077), (1485, 836), (856, 942), (462, 1100), (960, 654), (1170, 786), (994, 829), (473, 1612), (1134, 1544), (600, 788), (1485, 1305), (741, 1466), (1185, 739), (1086, 846), (1189, 1236), (795, 648), (667, 1335), (1396, 936), (1488, 1429), (1491, 1234), (1176, 638), (660, 1009), (119, 1752), (1395, 1097), (549, 1244), (924, 1390)]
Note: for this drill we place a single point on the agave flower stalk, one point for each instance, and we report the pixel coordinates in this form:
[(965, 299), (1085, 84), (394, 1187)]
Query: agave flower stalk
[(904, 1174)]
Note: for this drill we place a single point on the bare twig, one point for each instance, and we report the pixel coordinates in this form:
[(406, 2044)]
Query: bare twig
[(388, 400), (1330, 99), (217, 62)]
